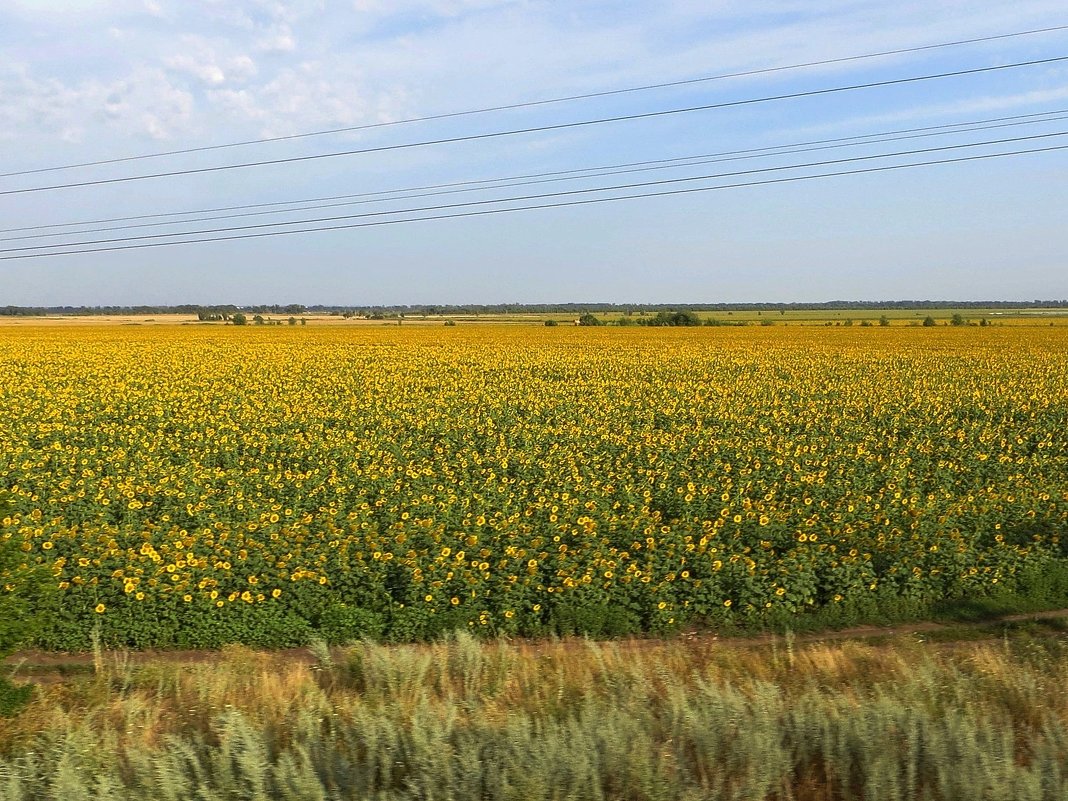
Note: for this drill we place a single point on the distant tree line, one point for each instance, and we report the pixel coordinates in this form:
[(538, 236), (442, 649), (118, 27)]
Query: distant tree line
[(640, 309), (226, 312), (663, 319)]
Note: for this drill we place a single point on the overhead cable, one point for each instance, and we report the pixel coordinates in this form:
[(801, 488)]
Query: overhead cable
[(522, 198), (548, 101), (681, 162), (583, 202), (965, 127)]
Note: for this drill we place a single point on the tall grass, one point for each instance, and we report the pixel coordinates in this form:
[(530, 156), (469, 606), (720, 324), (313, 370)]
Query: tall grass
[(462, 720)]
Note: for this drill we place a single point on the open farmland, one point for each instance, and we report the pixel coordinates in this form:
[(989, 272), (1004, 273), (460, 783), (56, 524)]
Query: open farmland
[(194, 486)]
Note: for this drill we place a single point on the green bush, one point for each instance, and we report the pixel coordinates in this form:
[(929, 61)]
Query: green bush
[(22, 587), (341, 624), (674, 319)]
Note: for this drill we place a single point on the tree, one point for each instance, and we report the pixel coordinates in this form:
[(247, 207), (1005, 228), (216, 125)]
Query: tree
[(240, 319), (292, 320), (928, 321), (957, 319), (589, 319), (678, 318), (258, 319), (884, 320), (23, 586)]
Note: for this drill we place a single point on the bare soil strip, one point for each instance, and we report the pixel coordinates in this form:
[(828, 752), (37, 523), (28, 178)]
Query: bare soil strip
[(49, 667)]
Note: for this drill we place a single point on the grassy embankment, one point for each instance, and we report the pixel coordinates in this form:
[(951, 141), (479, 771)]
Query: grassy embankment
[(640, 720)]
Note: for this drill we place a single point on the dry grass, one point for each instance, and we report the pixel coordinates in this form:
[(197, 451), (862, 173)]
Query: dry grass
[(462, 719)]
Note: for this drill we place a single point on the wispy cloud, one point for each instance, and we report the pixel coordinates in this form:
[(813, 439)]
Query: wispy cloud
[(267, 65), (1035, 101), (144, 101), (199, 58)]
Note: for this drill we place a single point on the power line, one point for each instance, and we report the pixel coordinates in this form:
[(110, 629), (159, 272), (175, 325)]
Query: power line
[(583, 202), (543, 128), (965, 127), (549, 101), (543, 196), (586, 174)]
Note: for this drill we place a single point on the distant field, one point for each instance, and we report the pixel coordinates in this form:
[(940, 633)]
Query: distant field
[(896, 316), (78, 320), (196, 485), (794, 317)]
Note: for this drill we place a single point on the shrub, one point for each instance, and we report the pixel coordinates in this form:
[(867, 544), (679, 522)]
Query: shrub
[(22, 586), (679, 318), (341, 623)]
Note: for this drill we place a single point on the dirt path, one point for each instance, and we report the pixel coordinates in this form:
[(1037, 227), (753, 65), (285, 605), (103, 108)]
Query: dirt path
[(50, 666), (923, 627)]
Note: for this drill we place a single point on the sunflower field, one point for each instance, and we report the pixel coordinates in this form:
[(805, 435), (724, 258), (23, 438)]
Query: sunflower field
[(192, 486)]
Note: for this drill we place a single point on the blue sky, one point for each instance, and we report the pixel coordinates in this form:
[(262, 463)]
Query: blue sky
[(83, 80)]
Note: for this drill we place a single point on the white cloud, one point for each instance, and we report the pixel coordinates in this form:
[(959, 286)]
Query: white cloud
[(432, 8), (209, 73), (265, 66), (278, 41), (201, 59), (309, 96), (144, 102)]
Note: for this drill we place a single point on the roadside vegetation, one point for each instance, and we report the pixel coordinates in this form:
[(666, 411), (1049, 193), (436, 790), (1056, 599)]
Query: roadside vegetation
[(463, 720), (23, 594)]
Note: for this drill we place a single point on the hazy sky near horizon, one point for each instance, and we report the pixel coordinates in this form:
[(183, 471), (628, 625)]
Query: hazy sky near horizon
[(86, 80)]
